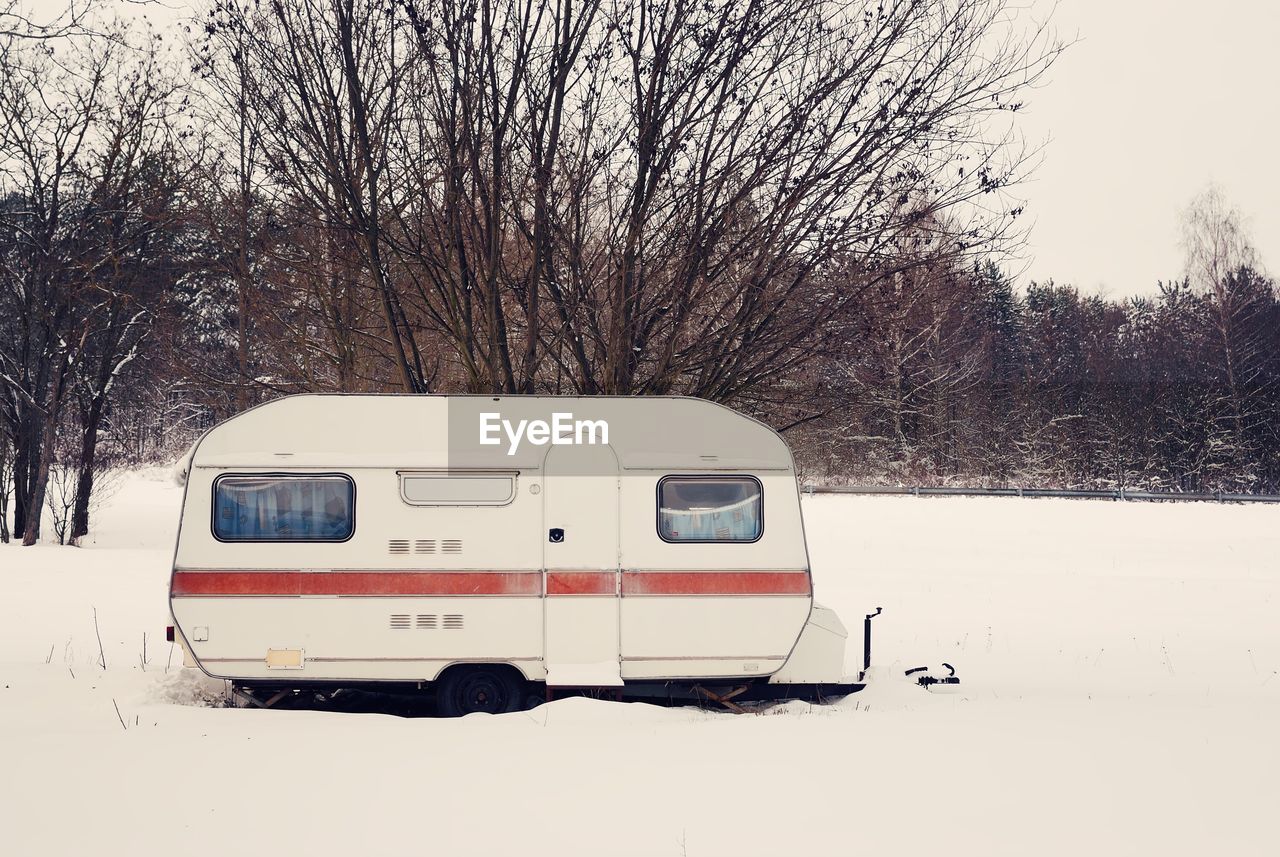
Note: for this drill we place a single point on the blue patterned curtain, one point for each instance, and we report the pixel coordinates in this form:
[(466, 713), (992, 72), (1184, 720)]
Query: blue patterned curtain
[(283, 508), (710, 510)]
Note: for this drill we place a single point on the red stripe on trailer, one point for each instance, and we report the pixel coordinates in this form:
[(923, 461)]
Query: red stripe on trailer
[(581, 583), (715, 583), (293, 583), (284, 584)]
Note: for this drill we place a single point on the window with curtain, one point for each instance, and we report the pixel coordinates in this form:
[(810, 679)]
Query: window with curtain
[(283, 508), (710, 509)]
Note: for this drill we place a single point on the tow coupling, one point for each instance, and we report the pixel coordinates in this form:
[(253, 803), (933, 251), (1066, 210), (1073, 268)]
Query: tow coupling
[(931, 681), (922, 676)]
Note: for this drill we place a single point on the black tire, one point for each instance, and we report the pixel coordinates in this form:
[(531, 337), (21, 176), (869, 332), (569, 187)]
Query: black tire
[(493, 689)]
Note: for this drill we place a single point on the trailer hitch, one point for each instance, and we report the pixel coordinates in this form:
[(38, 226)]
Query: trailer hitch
[(926, 680)]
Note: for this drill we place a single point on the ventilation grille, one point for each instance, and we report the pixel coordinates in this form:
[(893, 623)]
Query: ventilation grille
[(404, 547), (427, 622)]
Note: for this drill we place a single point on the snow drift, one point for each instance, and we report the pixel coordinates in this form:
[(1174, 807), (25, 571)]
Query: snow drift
[(1121, 693)]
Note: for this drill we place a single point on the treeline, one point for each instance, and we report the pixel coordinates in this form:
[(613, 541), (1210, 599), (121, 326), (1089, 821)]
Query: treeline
[(511, 197), (790, 207), (966, 380)]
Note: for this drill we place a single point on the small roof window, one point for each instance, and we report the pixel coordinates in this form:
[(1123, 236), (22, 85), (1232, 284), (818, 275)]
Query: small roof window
[(457, 489)]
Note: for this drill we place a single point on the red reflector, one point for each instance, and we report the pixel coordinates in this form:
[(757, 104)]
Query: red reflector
[(168, 634)]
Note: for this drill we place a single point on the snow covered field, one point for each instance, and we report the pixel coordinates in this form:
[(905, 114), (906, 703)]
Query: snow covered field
[(1121, 696)]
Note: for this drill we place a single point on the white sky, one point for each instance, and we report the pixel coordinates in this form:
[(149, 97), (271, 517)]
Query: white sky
[(1153, 103)]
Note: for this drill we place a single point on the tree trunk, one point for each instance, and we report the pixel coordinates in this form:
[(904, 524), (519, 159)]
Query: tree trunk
[(24, 448), (48, 444), (35, 499), (6, 471), (85, 475), (242, 333), (19, 491)]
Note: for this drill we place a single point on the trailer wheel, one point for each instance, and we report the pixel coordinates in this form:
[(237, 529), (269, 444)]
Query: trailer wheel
[(467, 689)]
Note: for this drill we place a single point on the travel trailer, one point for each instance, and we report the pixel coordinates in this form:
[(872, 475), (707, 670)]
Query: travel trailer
[(495, 549)]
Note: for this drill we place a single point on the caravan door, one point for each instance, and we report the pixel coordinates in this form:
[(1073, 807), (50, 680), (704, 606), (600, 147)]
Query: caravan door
[(580, 566)]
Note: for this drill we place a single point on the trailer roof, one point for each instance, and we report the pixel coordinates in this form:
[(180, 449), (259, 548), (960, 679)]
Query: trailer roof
[(423, 431)]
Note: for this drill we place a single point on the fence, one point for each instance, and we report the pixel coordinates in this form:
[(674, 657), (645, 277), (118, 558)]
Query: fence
[(1096, 494)]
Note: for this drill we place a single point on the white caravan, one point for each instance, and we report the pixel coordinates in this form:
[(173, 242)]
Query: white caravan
[(498, 548)]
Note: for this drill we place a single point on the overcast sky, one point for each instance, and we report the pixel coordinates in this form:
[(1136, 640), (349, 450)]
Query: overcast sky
[(1155, 101)]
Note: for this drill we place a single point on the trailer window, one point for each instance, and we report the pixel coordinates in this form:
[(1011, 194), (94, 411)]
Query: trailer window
[(457, 489), (283, 508), (710, 509)]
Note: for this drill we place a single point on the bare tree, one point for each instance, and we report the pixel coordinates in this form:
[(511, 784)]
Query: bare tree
[(47, 114), (75, 19), (80, 136), (632, 197), (914, 346), (325, 78), (1222, 265), (1215, 240)]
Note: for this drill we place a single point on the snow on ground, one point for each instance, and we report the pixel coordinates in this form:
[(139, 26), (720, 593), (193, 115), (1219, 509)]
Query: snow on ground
[(1120, 696)]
